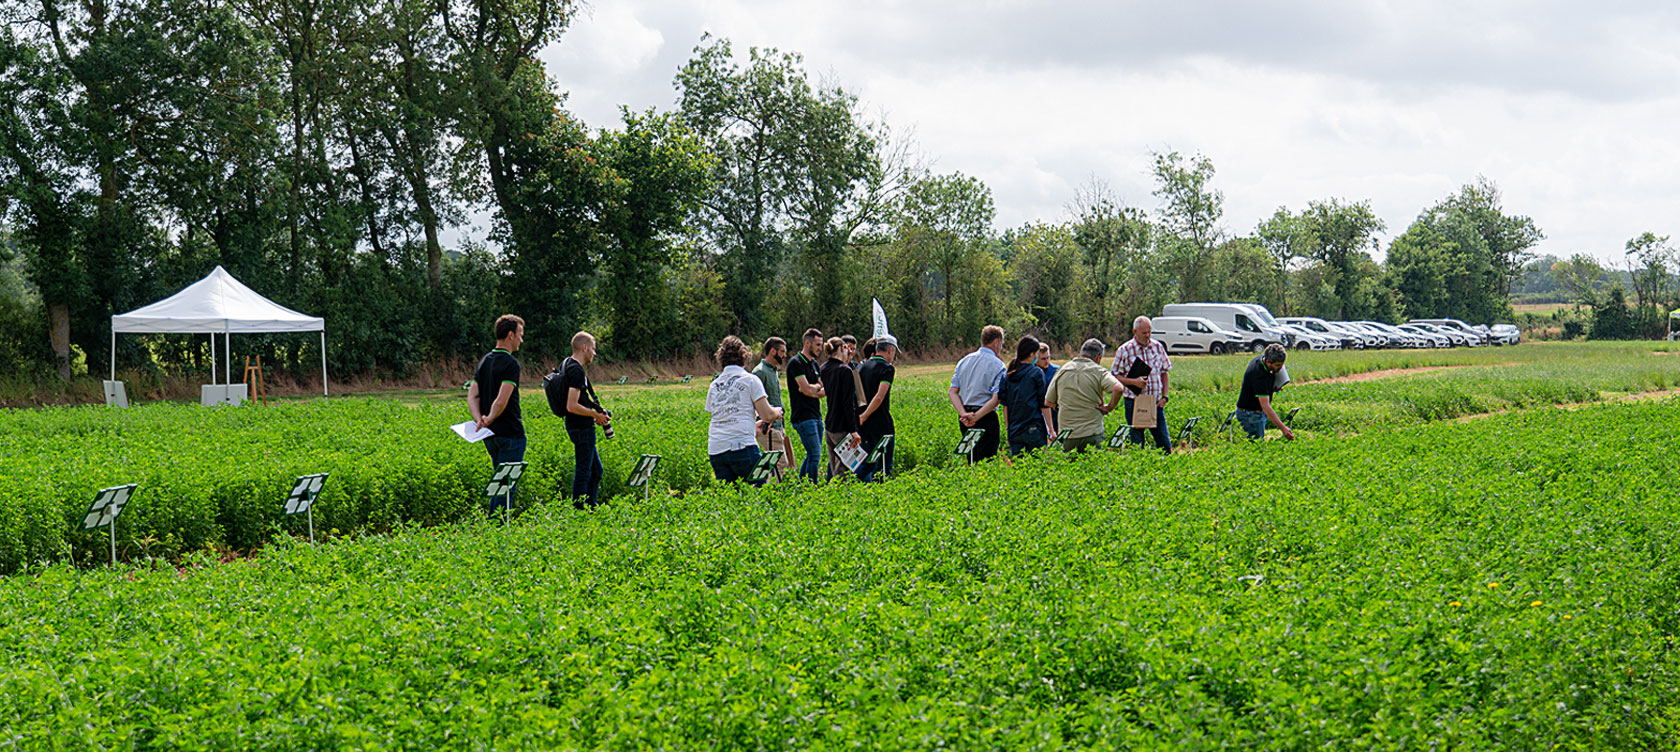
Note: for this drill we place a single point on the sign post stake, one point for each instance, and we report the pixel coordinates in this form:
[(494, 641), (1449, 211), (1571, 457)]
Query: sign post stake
[(642, 474), (503, 483), (302, 498), (107, 504)]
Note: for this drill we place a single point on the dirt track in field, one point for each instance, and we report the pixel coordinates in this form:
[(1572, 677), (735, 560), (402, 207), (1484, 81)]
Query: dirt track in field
[(1392, 372)]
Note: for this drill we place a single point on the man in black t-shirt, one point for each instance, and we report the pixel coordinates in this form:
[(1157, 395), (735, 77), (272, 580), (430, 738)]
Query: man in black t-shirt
[(583, 413), (493, 398), (1254, 400), (876, 420), (805, 393)]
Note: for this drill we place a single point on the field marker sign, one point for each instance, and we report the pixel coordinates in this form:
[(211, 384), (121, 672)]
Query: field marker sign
[(502, 483), (302, 498), (107, 504), (642, 474), (767, 467), (970, 440)]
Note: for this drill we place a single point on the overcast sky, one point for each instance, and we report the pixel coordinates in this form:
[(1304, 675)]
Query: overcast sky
[(1572, 108)]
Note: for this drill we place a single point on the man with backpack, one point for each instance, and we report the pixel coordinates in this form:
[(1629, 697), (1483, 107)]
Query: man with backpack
[(570, 395)]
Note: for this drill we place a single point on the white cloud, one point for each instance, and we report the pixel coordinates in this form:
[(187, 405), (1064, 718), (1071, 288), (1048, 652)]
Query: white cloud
[(1568, 107)]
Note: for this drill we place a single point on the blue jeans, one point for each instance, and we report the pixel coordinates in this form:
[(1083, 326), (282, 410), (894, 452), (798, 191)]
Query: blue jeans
[(586, 473), (1027, 440), (1162, 439), (810, 437), (736, 464), (1253, 423), (504, 450)]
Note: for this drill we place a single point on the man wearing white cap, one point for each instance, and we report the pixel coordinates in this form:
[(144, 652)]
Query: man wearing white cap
[(876, 421)]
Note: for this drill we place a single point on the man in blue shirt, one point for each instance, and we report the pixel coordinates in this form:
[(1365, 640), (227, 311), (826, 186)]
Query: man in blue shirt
[(974, 391)]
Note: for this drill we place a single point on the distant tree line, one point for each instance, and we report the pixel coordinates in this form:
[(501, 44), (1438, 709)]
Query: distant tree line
[(321, 150)]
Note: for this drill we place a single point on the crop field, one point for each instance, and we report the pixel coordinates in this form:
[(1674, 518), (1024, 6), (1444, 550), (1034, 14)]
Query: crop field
[(215, 479), (1440, 561), (1482, 585)]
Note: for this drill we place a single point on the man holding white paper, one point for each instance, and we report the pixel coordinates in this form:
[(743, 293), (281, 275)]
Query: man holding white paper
[(493, 398)]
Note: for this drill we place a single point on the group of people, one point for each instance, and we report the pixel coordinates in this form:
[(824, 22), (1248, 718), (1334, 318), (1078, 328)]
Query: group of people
[(840, 394)]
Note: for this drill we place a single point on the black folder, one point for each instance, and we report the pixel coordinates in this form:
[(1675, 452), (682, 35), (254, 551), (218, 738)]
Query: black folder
[(1138, 370)]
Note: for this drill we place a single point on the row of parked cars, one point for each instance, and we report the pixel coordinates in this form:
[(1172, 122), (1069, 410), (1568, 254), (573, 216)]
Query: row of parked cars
[(1225, 327)]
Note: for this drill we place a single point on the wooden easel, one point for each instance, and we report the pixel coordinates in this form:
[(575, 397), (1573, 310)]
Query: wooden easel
[(254, 381)]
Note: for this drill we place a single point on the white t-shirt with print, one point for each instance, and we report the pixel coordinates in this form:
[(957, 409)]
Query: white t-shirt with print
[(730, 401)]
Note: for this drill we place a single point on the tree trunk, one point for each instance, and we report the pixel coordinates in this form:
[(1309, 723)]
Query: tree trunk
[(58, 315)]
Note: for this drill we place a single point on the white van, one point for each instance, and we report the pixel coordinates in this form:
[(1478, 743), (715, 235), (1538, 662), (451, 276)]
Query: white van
[(1195, 334), (1235, 317)]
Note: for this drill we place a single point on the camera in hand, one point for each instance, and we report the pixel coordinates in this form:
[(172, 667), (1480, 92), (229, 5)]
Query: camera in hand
[(606, 430)]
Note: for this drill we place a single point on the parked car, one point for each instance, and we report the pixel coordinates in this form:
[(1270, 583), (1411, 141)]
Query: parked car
[(1348, 339), (1407, 339), (1471, 336), (1452, 337), (1386, 338), (1236, 317), (1433, 338), (1367, 339), (1195, 334), (1505, 334), (1307, 339)]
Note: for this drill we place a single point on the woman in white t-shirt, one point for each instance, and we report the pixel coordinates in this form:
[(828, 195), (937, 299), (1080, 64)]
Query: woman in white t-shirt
[(737, 401)]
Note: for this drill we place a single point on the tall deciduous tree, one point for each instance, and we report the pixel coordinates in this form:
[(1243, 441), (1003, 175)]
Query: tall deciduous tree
[(660, 169), (1188, 217), (945, 221), (1115, 242)]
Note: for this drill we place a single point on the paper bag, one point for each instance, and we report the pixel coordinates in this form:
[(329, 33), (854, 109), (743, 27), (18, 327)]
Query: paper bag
[(1143, 411)]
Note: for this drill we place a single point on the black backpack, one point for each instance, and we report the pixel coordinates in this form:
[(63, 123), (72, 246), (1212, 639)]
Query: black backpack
[(554, 387)]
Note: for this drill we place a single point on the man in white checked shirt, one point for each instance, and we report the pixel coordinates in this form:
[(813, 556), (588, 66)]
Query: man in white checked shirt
[(1142, 346)]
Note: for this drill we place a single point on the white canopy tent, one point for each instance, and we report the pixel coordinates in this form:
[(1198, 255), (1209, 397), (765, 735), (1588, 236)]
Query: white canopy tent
[(217, 304)]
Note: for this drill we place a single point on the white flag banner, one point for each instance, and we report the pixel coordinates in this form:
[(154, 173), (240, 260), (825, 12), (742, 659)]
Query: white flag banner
[(880, 320)]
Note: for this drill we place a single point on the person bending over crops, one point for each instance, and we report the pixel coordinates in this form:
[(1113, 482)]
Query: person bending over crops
[(1023, 400), (1080, 395), (840, 385), (876, 420), (974, 391), (734, 399), (1254, 400), (493, 398)]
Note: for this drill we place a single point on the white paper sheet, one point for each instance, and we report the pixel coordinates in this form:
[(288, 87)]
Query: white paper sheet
[(852, 456), (471, 432)]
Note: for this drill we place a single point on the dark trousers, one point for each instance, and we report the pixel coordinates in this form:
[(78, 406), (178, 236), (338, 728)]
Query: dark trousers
[(877, 471), (504, 450), (1163, 439), (1027, 440), (736, 464), (586, 473), (988, 446)]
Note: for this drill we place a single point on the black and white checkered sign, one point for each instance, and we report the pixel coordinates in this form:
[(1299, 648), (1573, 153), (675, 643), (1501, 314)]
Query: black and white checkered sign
[(304, 493), (107, 504), (507, 474), (643, 471)]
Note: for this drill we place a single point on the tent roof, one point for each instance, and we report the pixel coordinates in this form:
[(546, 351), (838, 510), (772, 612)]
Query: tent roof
[(217, 303)]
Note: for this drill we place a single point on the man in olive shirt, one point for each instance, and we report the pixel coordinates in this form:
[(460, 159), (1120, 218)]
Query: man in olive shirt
[(772, 435), (1078, 390)]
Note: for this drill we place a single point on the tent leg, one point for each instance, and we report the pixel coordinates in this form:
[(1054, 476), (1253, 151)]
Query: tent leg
[(227, 365), (323, 363), (212, 357), (113, 353)]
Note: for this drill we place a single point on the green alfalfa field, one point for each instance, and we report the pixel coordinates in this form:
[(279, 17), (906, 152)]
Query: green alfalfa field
[(1443, 560)]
